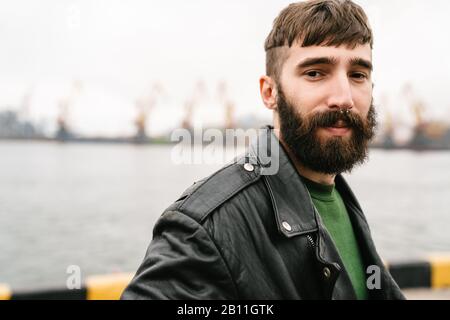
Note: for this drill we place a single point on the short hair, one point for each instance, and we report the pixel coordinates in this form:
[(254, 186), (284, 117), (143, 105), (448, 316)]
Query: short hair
[(316, 22)]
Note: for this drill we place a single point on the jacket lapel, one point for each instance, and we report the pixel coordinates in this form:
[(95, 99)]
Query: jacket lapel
[(292, 206)]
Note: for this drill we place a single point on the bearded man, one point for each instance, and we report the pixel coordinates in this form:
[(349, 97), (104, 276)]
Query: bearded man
[(281, 222)]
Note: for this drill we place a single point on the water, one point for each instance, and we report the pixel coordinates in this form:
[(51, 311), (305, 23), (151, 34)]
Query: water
[(94, 206)]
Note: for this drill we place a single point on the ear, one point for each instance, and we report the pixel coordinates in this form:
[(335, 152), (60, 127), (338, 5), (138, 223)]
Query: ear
[(269, 92)]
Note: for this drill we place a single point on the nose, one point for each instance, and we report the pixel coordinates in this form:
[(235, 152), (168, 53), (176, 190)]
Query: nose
[(340, 94)]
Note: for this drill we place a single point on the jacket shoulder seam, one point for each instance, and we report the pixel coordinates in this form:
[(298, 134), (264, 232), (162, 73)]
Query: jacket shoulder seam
[(187, 206), (183, 203)]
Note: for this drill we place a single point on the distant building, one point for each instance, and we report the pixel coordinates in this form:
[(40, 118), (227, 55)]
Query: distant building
[(12, 127)]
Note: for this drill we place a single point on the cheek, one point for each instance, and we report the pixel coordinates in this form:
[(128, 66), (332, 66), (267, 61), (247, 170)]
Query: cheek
[(363, 101), (305, 100)]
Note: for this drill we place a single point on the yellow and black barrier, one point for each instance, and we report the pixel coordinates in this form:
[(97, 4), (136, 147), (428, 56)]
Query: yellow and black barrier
[(430, 273), (102, 287), (433, 272)]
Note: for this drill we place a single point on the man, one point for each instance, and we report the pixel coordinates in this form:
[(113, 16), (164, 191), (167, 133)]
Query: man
[(298, 232)]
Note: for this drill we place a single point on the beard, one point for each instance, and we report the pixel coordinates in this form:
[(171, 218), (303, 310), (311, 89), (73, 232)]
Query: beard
[(329, 155)]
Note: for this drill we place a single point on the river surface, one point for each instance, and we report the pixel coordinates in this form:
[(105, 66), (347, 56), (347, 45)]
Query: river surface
[(94, 205)]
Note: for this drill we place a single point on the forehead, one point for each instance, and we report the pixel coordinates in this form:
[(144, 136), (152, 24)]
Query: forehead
[(342, 54)]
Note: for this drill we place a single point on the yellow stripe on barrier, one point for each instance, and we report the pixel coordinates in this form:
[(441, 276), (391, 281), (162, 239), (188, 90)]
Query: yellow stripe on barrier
[(440, 271), (5, 292), (107, 287)]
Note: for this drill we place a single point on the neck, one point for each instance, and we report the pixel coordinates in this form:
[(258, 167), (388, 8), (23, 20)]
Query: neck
[(322, 178), (312, 175)]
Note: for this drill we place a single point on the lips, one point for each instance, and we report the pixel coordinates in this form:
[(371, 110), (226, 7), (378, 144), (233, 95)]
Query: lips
[(340, 128), (340, 124)]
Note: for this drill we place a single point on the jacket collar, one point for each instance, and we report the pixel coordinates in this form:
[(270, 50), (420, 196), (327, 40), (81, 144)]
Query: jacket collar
[(293, 208)]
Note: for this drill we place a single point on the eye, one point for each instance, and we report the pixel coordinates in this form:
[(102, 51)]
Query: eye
[(314, 74), (360, 76)]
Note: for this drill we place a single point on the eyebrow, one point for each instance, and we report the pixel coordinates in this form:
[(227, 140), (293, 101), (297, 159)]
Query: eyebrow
[(361, 63), (333, 61), (315, 61)]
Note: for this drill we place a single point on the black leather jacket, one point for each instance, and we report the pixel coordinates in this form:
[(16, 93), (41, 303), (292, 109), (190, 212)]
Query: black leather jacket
[(244, 234)]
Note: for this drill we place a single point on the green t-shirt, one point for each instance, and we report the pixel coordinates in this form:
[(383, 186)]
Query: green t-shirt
[(333, 212)]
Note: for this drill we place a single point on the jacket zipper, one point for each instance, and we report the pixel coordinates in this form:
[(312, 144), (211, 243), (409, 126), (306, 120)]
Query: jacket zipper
[(311, 241)]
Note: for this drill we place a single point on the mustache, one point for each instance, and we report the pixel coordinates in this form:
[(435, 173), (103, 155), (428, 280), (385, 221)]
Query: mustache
[(330, 118), (350, 119)]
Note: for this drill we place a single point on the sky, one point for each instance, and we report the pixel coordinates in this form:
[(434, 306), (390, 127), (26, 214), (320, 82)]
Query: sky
[(119, 49)]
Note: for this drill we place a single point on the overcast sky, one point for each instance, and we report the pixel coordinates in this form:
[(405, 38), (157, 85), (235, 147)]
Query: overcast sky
[(119, 48)]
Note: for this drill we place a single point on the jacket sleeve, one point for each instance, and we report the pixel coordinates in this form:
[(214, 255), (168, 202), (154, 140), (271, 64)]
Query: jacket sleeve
[(181, 262)]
